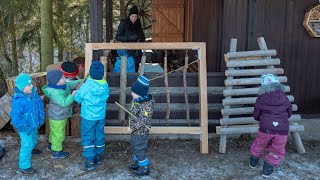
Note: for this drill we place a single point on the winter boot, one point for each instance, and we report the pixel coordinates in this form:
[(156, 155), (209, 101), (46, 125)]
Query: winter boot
[(25, 171), (97, 160), (253, 162), (59, 155), (142, 170), (134, 166), (36, 151), (267, 170), (89, 165)]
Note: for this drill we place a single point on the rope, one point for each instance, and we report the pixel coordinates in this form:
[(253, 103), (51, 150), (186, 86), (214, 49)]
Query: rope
[(115, 92)]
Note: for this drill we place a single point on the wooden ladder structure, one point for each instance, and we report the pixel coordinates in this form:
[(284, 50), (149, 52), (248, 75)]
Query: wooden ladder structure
[(241, 92)]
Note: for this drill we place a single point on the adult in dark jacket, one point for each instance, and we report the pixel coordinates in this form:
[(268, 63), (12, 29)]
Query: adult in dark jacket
[(130, 30), (272, 110)]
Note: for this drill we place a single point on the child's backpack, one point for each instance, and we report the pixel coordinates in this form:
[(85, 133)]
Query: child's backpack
[(130, 62), (2, 152)]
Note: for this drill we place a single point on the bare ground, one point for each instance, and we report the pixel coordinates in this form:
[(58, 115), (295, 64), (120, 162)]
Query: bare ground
[(170, 159)]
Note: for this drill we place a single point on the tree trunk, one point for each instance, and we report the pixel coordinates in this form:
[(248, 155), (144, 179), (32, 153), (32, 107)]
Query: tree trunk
[(30, 57), (60, 10), (96, 25), (13, 46), (122, 9), (46, 34), (109, 35)]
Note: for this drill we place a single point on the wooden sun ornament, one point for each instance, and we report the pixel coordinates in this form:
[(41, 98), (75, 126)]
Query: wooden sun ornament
[(312, 21)]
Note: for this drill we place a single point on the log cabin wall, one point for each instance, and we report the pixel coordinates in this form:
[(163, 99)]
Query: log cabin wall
[(280, 23)]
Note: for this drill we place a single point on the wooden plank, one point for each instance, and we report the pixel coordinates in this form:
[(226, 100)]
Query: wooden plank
[(123, 87), (246, 91), (155, 130), (250, 81), (245, 54), (204, 146), (253, 72), (246, 100), (171, 122), (240, 129), (140, 46), (298, 142), (246, 110), (251, 120), (251, 63), (5, 109), (88, 57)]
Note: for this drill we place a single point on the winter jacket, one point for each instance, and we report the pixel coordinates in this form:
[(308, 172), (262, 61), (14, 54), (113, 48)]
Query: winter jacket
[(273, 109), (143, 110), (130, 32), (27, 111), (60, 105), (93, 95)]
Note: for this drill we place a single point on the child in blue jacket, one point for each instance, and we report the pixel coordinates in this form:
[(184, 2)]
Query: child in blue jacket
[(93, 95), (27, 116)]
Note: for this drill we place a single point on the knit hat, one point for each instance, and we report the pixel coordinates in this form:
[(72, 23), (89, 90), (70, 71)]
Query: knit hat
[(133, 10), (22, 81), (96, 70), (141, 86), (267, 79), (54, 76)]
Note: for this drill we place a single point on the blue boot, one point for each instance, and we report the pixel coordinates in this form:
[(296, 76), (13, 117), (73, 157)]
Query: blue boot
[(253, 162), (97, 160), (59, 155), (267, 170), (25, 171), (142, 170), (89, 165), (134, 166)]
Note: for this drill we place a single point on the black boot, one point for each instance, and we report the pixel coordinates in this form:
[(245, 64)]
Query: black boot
[(142, 170), (253, 162), (25, 171), (36, 151), (134, 166), (267, 170)]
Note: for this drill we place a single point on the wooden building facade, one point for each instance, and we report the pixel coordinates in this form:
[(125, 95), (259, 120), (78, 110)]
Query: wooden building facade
[(280, 22)]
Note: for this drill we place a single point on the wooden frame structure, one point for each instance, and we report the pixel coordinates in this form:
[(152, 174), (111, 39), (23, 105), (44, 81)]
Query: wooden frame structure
[(202, 130), (241, 92)]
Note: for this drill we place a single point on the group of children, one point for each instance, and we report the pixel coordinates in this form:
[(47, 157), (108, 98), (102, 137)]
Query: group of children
[(272, 110)]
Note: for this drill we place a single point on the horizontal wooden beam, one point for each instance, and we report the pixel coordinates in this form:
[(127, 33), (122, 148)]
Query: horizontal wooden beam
[(253, 72), (251, 120), (173, 107), (245, 110), (250, 63), (246, 54), (246, 100), (246, 91), (140, 46), (249, 81), (212, 90), (155, 130), (240, 129)]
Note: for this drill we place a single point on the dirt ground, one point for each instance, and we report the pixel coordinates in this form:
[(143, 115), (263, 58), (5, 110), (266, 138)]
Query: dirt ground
[(170, 159)]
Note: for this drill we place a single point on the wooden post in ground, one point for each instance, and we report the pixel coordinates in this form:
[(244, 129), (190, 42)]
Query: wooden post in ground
[(123, 87), (186, 62), (143, 62), (167, 86), (223, 137)]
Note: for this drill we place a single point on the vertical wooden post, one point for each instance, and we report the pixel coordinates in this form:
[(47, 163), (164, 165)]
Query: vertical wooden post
[(123, 87), (143, 61), (104, 61), (186, 61), (88, 57), (203, 99), (263, 46), (166, 86), (298, 142), (223, 137)]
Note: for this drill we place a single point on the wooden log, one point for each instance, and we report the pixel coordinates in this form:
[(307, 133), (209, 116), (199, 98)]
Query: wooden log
[(253, 72), (143, 62), (251, 120), (167, 87), (245, 54), (246, 91), (246, 110), (298, 142), (123, 88), (251, 63), (249, 81), (241, 129), (263, 46), (155, 130), (185, 85), (246, 100), (5, 109)]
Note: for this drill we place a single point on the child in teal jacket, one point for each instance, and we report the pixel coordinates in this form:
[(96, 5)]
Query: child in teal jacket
[(27, 116), (92, 96)]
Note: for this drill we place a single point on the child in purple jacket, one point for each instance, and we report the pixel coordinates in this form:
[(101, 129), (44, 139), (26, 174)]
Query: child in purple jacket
[(272, 110)]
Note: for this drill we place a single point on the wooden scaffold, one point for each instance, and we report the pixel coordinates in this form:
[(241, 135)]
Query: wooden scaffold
[(241, 92)]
